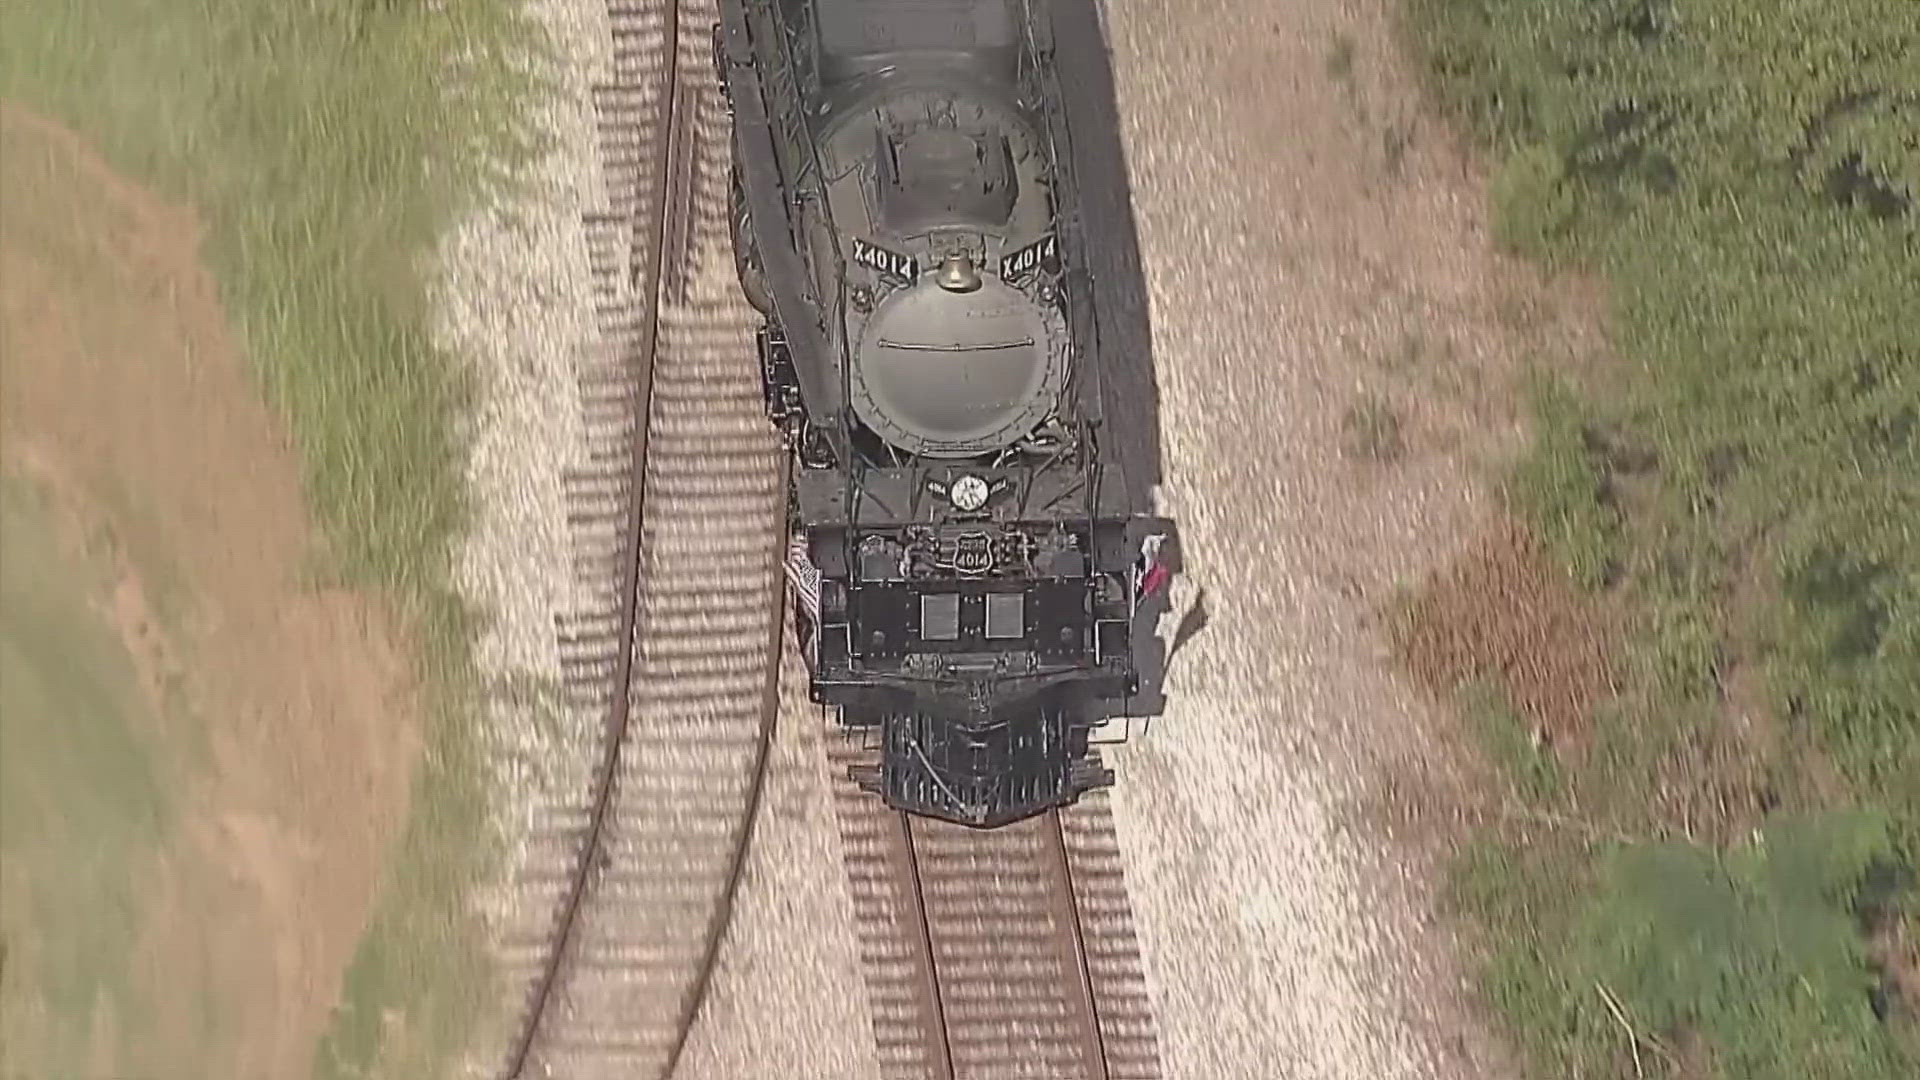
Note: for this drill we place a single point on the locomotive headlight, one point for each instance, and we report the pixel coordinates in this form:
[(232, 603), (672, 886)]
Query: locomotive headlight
[(969, 493)]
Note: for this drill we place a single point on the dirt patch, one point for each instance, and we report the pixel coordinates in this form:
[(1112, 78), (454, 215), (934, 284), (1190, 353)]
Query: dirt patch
[(285, 720), (1505, 613)]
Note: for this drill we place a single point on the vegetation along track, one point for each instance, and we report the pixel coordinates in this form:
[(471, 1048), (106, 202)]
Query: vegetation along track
[(683, 658), (1001, 954)]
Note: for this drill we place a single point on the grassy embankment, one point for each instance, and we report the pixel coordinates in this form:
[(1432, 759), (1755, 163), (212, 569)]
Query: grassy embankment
[(1712, 874), (326, 145)]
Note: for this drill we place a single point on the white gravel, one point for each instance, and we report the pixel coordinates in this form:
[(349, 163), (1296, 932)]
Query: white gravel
[(516, 304), (788, 996)]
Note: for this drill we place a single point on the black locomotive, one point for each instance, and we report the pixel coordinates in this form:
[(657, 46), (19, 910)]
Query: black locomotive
[(979, 580)]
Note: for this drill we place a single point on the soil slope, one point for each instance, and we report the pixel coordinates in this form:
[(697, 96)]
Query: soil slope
[(273, 715)]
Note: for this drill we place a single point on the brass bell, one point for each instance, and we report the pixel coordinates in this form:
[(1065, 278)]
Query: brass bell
[(957, 273)]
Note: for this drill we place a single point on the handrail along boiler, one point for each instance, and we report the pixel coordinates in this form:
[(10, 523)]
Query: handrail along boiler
[(975, 584)]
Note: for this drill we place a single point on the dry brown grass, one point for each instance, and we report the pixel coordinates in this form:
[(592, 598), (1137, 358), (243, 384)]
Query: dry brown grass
[(1505, 613)]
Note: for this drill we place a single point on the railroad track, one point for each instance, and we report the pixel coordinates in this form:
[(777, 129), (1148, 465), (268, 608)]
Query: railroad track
[(1002, 954), (681, 513), (996, 955)]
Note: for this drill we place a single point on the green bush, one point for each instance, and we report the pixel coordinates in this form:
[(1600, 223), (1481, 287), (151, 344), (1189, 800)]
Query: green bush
[(1757, 950), (1754, 954)]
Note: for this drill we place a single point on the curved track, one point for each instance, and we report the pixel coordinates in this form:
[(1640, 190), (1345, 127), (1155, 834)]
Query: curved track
[(685, 660)]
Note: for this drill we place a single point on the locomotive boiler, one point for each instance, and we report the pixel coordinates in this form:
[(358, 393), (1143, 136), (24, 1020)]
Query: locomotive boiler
[(979, 580)]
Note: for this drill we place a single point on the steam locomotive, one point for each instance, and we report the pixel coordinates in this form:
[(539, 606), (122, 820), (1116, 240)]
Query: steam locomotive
[(979, 581)]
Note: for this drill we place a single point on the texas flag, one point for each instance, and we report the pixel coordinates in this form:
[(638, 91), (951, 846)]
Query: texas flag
[(1150, 575)]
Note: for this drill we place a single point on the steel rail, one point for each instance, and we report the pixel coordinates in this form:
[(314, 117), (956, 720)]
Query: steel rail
[(619, 714)]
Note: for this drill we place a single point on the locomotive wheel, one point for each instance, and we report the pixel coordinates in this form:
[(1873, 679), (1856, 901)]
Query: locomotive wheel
[(746, 250)]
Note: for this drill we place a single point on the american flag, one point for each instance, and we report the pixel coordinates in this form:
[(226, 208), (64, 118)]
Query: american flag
[(803, 577)]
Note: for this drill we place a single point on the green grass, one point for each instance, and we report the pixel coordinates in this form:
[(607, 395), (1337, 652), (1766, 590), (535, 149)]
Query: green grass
[(82, 806), (1744, 963), (1744, 481), (1510, 745), (1563, 493), (326, 144)]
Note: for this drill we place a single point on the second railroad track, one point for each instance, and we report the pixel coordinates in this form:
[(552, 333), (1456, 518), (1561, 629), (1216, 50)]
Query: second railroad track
[(684, 663)]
